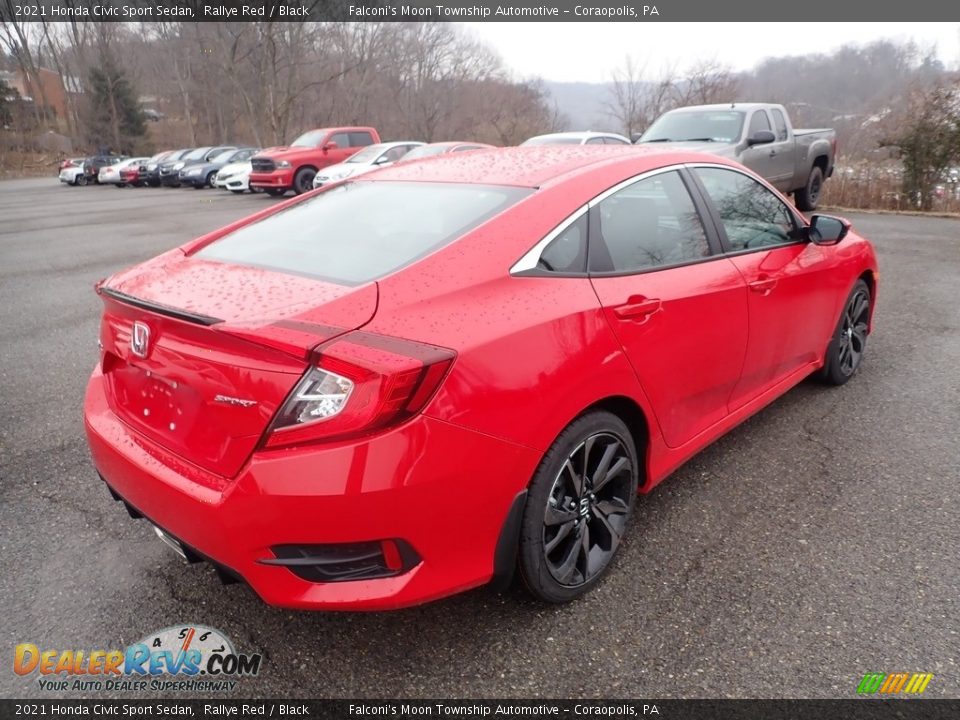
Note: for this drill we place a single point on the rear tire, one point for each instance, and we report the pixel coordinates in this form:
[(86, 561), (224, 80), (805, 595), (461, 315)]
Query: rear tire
[(578, 506), (80, 180), (845, 351), (809, 195)]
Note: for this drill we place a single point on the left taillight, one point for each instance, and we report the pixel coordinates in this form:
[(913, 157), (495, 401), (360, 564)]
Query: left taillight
[(359, 384)]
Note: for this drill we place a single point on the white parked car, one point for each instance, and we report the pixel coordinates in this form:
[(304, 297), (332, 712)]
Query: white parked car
[(71, 172), (584, 137), (372, 157), (110, 174), (235, 177)]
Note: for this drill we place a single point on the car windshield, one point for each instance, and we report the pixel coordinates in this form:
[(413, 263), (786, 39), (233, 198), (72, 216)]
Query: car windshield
[(426, 151), (359, 232), (368, 154), (309, 139), (197, 154), (679, 126), (554, 140)]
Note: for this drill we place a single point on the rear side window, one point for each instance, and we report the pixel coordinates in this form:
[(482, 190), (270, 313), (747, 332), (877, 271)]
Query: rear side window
[(360, 139), (595, 141), (758, 122), (781, 124), (752, 216), (567, 252), (359, 232), (651, 223), (615, 141)]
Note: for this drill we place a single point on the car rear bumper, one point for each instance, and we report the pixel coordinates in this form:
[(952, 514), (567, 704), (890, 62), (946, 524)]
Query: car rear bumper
[(443, 490), (276, 179)]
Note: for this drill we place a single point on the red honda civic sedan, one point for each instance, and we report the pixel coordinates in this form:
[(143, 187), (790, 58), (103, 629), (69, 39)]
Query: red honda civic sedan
[(404, 386)]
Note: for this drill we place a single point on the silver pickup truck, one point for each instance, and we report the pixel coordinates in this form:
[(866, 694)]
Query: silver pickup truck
[(758, 135)]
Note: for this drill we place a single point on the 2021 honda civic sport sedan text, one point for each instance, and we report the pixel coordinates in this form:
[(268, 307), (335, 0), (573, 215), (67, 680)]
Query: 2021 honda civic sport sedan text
[(408, 385)]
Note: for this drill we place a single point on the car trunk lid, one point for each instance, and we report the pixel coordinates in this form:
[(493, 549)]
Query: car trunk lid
[(199, 355)]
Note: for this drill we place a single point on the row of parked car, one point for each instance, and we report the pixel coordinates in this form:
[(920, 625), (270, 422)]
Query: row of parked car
[(759, 135)]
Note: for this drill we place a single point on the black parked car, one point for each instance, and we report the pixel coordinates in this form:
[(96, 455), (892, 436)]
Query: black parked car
[(201, 174), (150, 170), (170, 171), (92, 165)]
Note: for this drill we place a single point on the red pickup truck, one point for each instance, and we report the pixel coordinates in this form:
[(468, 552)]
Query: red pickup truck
[(278, 169)]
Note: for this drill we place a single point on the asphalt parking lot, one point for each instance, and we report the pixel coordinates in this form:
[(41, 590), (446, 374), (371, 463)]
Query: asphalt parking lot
[(818, 541)]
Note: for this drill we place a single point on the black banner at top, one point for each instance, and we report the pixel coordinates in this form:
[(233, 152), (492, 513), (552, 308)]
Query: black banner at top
[(478, 11)]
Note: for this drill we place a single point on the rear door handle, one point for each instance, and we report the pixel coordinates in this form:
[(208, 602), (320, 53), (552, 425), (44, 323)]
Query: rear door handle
[(637, 307), (763, 285)]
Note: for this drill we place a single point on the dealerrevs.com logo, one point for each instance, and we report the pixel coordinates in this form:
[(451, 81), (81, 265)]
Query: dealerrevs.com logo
[(188, 658)]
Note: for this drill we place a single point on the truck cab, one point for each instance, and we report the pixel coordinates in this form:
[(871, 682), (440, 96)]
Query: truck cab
[(279, 169), (759, 135)]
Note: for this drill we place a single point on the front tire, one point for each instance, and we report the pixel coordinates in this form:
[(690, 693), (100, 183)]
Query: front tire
[(808, 196), (275, 192), (579, 502), (303, 180), (846, 349)]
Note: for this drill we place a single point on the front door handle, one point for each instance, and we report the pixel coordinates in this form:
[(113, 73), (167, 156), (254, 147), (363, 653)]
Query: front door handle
[(773, 153), (637, 307), (763, 285)]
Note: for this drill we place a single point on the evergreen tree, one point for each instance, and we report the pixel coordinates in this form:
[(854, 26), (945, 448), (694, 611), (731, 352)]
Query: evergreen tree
[(8, 97), (114, 119)]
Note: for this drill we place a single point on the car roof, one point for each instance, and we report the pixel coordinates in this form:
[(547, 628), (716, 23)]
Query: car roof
[(725, 106), (578, 134), (528, 166)]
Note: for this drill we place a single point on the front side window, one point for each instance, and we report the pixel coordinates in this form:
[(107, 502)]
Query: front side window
[(595, 141), (615, 141), (752, 216), (781, 123), (361, 231), (651, 223), (758, 122), (341, 139)]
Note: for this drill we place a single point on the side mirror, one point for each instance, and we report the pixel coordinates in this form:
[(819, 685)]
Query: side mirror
[(330, 146), (827, 230), (761, 137)]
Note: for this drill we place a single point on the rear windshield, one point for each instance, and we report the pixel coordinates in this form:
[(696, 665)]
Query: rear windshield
[(359, 232)]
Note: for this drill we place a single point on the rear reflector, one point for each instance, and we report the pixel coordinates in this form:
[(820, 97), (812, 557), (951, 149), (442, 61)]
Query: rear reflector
[(342, 562)]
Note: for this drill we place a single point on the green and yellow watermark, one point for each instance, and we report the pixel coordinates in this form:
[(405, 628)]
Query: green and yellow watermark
[(894, 683)]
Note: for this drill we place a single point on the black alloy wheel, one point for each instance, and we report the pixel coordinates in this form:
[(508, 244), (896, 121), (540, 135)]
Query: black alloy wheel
[(303, 180), (849, 343), (578, 507)]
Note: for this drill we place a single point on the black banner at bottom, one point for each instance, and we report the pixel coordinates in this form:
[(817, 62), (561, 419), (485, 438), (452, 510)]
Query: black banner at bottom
[(854, 709)]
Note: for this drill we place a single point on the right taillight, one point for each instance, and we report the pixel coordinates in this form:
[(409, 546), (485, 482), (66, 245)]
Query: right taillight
[(358, 384)]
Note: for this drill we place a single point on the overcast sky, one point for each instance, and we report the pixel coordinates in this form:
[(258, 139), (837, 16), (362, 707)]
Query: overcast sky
[(588, 52)]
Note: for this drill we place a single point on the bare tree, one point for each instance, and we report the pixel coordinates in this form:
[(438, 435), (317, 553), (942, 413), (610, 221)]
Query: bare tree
[(628, 97)]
